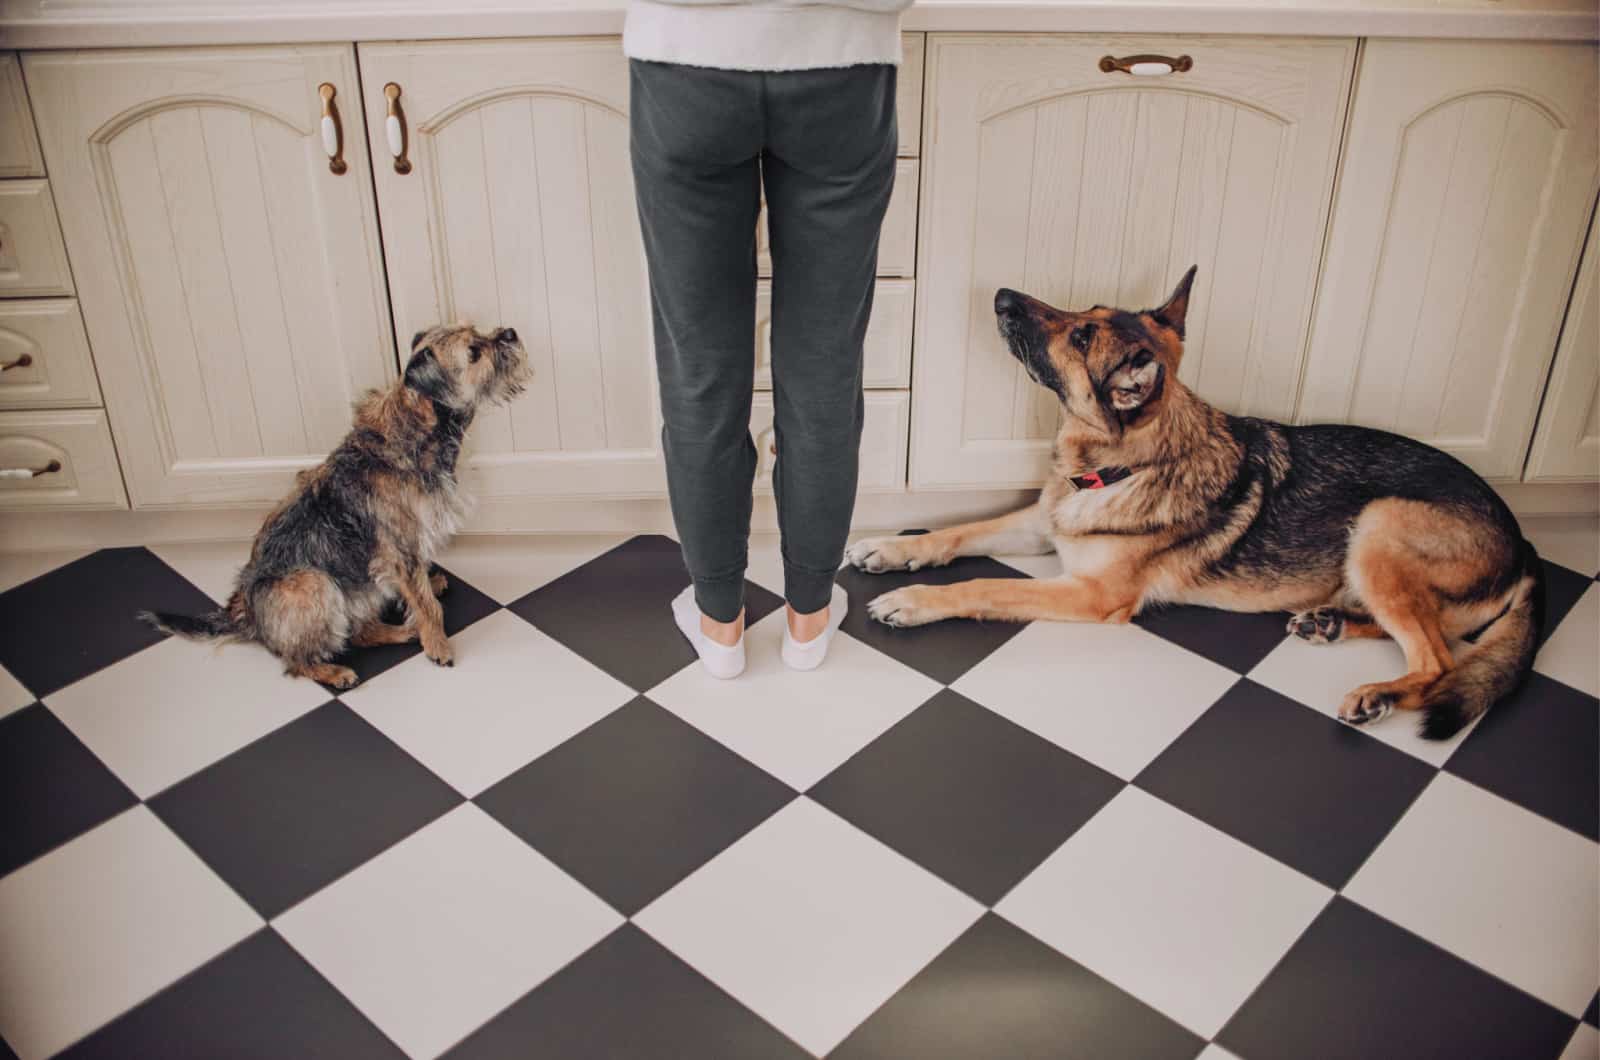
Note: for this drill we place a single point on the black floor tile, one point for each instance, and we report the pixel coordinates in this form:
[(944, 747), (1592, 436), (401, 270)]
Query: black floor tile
[(998, 992), (52, 788), (463, 605), (616, 611), (1357, 986), (1288, 781), (627, 997), (1537, 748), (1591, 1015), (260, 999), (79, 618), (943, 650), (1562, 588), (1237, 641), (286, 815), (635, 803), (967, 794)]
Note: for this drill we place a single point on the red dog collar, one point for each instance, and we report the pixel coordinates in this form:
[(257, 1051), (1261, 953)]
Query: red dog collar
[(1100, 478)]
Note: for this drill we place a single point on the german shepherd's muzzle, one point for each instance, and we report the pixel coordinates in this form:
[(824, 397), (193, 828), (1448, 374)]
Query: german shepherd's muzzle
[(1156, 497)]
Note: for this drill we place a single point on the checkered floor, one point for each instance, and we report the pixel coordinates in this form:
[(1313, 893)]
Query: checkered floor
[(959, 841)]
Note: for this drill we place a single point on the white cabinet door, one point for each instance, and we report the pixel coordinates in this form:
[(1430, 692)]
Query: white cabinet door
[(1566, 447), (1044, 173), (1468, 176), (518, 211), (229, 280)]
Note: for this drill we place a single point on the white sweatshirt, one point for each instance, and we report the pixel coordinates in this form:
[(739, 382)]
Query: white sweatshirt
[(764, 34)]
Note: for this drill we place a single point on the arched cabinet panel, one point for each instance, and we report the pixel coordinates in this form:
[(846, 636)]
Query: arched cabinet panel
[(1465, 191), (229, 278), (1045, 173), (517, 210)]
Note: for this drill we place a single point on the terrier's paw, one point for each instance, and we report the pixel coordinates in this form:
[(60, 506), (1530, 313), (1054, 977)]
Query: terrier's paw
[(878, 554), (342, 678), (438, 583), (910, 606), (1322, 625), (439, 651), (1367, 704)]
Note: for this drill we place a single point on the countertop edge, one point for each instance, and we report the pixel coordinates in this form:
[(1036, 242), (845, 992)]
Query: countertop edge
[(953, 16)]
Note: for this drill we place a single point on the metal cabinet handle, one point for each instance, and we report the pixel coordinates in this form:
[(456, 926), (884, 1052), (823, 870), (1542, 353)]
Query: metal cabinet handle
[(20, 362), (332, 130), (30, 472), (394, 128), (1146, 65)]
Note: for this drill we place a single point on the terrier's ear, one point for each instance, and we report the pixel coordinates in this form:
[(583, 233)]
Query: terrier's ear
[(417, 338), (426, 377), (1129, 387), (1176, 308)]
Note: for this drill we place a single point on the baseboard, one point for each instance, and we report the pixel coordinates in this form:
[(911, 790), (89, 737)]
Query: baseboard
[(38, 531)]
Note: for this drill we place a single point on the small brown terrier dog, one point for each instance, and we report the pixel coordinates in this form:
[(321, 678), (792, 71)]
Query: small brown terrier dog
[(363, 527)]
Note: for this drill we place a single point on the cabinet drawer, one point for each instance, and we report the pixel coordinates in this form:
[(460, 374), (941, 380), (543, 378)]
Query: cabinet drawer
[(44, 355), (76, 443), (897, 245), (33, 259), (883, 441), (887, 349), (19, 145)]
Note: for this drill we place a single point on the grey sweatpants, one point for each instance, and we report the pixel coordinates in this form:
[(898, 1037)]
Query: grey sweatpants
[(704, 141)]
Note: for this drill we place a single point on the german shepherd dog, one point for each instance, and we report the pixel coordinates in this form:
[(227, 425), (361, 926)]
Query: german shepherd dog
[(1156, 497), (362, 527)]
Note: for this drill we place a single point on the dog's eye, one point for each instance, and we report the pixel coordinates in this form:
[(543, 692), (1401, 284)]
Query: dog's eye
[(1080, 337), (1142, 358), (474, 353)]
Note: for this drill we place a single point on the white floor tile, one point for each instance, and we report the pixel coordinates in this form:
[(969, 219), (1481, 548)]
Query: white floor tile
[(13, 696), (1585, 1044), (809, 922), (94, 927), (1320, 676), (1173, 911), (1572, 654), (1505, 888), (512, 694), (1570, 540), (178, 706), (1115, 695), (508, 567), (211, 566), (19, 567), (797, 726), (446, 928)]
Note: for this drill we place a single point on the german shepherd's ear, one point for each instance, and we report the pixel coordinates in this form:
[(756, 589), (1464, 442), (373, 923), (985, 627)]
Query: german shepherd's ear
[(426, 377), (1176, 308)]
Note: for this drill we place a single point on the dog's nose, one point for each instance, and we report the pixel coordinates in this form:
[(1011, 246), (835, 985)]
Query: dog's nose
[(508, 334), (1006, 300)]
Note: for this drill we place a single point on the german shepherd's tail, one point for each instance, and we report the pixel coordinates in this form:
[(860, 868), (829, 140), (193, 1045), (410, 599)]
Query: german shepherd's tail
[(229, 622), (1500, 658)]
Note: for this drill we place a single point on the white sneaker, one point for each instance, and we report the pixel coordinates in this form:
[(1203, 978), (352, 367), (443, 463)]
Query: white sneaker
[(809, 654), (720, 660)]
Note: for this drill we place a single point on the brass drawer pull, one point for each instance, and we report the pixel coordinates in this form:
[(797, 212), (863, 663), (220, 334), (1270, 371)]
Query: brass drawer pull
[(30, 472), (21, 362), (1147, 65), (394, 129), (332, 130)]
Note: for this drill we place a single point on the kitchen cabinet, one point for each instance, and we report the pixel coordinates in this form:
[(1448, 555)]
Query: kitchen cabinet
[(229, 279), (1566, 447), (1468, 176), (1046, 173)]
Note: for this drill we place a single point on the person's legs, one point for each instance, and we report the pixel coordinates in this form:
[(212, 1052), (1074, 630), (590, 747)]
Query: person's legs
[(696, 137), (828, 170)]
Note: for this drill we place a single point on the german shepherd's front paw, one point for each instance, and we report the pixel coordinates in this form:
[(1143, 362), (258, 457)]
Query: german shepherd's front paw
[(878, 554), (1322, 625), (437, 648), (911, 606), (1367, 704)]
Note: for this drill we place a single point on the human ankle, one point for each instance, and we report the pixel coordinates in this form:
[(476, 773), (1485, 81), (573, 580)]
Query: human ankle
[(725, 633), (807, 626)]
